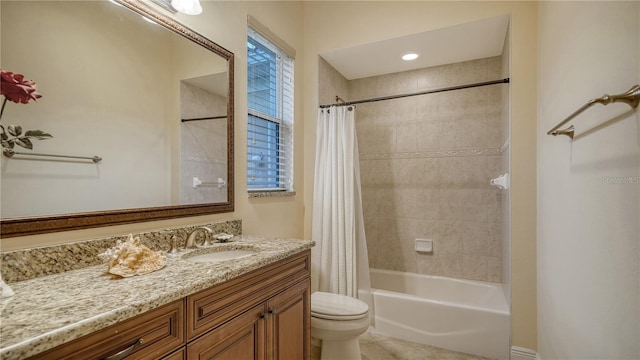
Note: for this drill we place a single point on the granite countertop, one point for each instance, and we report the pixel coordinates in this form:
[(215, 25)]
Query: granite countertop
[(49, 311)]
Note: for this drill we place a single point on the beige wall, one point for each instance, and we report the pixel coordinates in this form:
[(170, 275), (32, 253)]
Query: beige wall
[(588, 208), (329, 27)]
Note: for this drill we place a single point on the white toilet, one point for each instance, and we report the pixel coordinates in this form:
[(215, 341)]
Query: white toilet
[(338, 320)]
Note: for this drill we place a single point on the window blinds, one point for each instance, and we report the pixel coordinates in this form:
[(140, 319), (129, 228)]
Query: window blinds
[(270, 120)]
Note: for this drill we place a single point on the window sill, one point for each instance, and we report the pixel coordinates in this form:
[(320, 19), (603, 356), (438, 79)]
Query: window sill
[(270, 193)]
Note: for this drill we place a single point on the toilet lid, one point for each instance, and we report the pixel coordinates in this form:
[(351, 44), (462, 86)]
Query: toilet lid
[(337, 307)]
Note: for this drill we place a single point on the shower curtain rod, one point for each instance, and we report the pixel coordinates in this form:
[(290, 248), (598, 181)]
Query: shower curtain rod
[(391, 97)]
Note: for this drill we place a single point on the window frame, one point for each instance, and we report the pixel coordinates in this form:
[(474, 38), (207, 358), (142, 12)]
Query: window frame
[(281, 116)]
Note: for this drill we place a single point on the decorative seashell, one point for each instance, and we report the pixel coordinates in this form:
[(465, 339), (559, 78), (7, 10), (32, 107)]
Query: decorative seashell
[(131, 258)]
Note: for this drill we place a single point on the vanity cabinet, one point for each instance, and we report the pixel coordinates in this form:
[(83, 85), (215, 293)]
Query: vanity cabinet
[(149, 336), (264, 314), (275, 329), (177, 355)]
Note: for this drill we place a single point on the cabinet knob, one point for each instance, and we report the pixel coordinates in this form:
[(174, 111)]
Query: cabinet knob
[(263, 315), (272, 311)]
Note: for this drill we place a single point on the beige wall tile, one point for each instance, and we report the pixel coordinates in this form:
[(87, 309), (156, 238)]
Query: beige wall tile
[(447, 238), (494, 205), (475, 239), (398, 83), (449, 203), (384, 173), (475, 133), (475, 267), (427, 106), (427, 135), (407, 137), (418, 193), (336, 84), (428, 264), (474, 206), (495, 240), (494, 269), (362, 88), (425, 172), (474, 172), (451, 131), (428, 78), (366, 135), (427, 204), (451, 265)]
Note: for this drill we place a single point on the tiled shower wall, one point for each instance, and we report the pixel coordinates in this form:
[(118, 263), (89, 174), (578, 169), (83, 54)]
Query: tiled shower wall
[(426, 162), (203, 145)]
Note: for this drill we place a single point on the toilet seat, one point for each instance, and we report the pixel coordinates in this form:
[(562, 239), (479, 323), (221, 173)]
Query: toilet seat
[(337, 307)]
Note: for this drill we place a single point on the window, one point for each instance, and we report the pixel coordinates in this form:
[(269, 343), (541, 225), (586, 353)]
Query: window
[(270, 117)]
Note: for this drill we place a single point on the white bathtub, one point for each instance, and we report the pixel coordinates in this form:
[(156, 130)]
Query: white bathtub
[(461, 315)]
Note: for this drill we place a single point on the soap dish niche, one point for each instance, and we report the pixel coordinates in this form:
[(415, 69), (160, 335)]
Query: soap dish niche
[(424, 246)]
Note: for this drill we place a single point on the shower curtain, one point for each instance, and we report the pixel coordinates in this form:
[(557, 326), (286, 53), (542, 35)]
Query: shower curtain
[(339, 260)]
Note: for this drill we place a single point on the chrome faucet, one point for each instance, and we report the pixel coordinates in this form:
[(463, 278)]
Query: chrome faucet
[(191, 239)]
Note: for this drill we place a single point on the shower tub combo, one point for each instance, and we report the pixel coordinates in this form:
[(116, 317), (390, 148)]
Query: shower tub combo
[(460, 315)]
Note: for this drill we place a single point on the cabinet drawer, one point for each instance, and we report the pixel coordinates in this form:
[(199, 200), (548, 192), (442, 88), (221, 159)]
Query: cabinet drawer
[(212, 307), (178, 355), (155, 334)]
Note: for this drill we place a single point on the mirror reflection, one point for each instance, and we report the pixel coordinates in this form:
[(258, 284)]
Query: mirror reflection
[(203, 139), (115, 85)]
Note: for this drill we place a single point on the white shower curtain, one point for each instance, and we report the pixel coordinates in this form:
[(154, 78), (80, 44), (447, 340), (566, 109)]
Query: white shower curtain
[(339, 260)]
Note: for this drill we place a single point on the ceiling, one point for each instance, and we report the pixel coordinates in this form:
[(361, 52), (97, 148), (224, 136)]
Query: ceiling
[(213, 83), (475, 40)]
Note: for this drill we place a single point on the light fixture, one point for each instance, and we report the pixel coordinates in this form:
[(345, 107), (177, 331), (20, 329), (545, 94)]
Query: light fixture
[(410, 56), (189, 7)]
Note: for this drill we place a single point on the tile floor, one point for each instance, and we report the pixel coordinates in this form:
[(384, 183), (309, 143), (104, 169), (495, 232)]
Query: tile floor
[(379, 347)]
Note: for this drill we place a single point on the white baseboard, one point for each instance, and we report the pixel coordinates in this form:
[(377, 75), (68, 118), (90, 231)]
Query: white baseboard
[(520, 353)]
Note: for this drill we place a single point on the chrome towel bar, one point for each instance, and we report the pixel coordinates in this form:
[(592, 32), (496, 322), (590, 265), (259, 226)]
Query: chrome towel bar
[(10, 153), (631, 97), (220, 183)]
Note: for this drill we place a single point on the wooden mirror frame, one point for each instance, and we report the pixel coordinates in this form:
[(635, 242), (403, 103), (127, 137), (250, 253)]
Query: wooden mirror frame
[(22, 226)]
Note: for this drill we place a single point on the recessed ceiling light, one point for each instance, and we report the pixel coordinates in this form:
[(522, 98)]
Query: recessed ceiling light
[(410, 56)]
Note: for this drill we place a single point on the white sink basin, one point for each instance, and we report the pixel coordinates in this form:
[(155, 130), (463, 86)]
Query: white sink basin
[(218, 256)]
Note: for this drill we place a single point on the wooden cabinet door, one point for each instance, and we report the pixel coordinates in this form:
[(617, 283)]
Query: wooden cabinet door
[(288, 324), (177, 355), (242, 338)]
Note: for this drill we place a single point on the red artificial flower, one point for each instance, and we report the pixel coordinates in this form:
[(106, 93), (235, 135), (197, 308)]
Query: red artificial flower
[(16, 89)]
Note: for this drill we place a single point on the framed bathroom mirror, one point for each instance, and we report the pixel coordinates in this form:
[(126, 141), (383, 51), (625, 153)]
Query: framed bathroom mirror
[(120, 81)]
